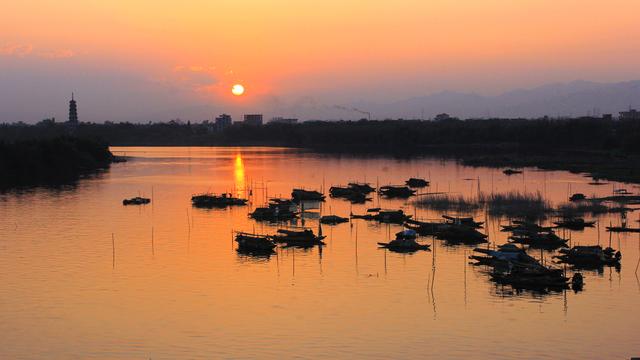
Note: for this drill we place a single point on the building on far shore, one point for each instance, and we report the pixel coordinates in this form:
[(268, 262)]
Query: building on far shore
[(73, 111), (253, 119), (281, 120), (223, 121), (631, 114)]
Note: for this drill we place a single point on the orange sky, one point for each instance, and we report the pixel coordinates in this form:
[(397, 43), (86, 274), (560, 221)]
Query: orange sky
[(355, 50)]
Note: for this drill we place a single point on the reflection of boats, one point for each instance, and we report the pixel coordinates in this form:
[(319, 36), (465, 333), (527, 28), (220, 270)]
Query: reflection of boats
[(302, 238), (589, 256), (253, 242), (532, 277), (574, 223), (306, 195), (405, 241), (417, 183), (136, 201), (333, 219), (622, 229), (392, 191), (213, 200)]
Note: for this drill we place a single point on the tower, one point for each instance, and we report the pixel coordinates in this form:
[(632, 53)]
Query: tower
[(73, 111)]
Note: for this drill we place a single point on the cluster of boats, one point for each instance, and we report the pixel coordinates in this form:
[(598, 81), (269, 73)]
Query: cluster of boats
[(510, 263), (264, 244)]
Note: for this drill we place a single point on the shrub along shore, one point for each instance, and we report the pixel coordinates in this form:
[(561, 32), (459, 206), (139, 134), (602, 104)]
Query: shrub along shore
[(54, 161)]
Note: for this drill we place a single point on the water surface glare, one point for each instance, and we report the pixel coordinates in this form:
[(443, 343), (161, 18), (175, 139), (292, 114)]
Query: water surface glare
[(83, 276)]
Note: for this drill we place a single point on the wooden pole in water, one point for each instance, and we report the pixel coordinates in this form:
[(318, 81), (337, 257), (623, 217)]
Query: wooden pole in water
[(113, 249), (153, 248)]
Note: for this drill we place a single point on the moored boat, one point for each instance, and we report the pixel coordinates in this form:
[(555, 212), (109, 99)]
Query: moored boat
[(136, 201), (301, 238), (391, 191), (405, 241), (254, 242), (417, 183), (213, 200), (306, 195), (333, 219)]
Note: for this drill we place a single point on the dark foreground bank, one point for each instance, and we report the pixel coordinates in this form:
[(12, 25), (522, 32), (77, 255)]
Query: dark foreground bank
[(50, 161), (603, 147)]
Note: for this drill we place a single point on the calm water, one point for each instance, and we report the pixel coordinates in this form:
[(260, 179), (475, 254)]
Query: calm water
[(174, 286)]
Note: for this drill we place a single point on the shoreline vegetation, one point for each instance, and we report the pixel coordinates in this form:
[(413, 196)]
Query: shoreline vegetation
[(55, 161), (602, 148), (524, 205)]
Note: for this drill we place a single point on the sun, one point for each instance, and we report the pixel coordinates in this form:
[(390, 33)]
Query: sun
[(237, 89)]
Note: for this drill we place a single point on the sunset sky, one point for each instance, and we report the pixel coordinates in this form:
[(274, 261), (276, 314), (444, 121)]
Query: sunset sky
[(156, 60)]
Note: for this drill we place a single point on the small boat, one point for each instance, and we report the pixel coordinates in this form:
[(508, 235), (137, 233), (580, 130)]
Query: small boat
[(254, 242), (276, 210), (461, 234), (352, 194), (510, 172), (577, 197), (306, 195), (385, 216), (136, 201), (333, 219), (589, 256), (405, 241), (417, 183), (543, 240), (391, 191), (362, 187), (467, 221), (424, 228), (622, 192), (507, 253), (574, 223), (213, 200), (301, 238), (524, 227)]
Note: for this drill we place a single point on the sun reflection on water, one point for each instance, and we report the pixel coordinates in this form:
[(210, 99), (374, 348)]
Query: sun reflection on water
[(239, 176)]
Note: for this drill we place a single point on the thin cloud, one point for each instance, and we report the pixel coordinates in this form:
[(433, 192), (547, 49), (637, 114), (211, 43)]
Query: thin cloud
[(16, 50)]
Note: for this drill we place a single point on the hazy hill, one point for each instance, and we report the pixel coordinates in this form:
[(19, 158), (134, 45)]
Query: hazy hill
[(566, 99)]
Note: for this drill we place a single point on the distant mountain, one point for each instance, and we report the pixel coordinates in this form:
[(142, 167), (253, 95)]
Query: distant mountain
[(576, 98)]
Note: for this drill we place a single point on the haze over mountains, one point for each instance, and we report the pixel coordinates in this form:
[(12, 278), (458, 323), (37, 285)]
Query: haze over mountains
[(573, 99)]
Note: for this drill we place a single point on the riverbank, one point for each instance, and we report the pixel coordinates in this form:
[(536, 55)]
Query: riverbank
[(601, 148)]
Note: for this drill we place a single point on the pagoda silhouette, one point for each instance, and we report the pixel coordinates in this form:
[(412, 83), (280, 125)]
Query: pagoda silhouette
[(73, 111)]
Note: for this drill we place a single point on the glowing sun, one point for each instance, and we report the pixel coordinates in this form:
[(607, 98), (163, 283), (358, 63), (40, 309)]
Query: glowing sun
[(237, 89)]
